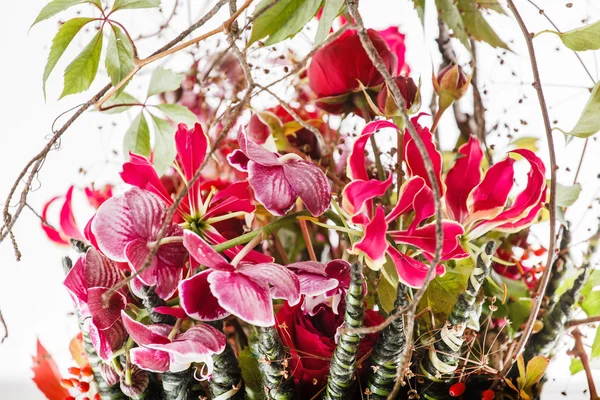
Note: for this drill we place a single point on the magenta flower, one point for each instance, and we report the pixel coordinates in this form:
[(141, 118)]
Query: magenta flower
[(127, 225), (89, 279), (322, 283), (243, 290), (159, 352), (278, 181), (67, 225)]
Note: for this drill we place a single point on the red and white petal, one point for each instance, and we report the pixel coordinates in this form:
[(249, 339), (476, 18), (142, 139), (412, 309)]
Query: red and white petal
[(99, 270), (374, 243), (145, 335), (147, 212), (113, 228), (105, 315), (464, 175), (488, 199), (203, 253), (284, 282), (424, 238), (137, 252), (198, 341), (150, 359), (256, 152), (243, 297), (238, 160), (314, 285), (140, 172), (411, 272), (406, 200), (310, 184), (356, 194), (271, 188), (197, 300), (414, 161), (107, 341)]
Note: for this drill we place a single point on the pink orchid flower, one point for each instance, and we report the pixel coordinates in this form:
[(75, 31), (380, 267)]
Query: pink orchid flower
[(127, 225), (322, 283), (278, 181), (159, 351), (242, 289), (415, 196), (89, 279)]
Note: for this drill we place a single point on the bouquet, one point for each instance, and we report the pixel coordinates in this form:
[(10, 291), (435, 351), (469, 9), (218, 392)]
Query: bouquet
[(323, 246)]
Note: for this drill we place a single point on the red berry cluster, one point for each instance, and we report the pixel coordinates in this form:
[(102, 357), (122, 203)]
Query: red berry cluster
[(80, 381)]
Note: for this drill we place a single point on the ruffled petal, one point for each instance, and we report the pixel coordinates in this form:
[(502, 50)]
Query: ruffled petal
[(52, 233), (105, 316), (356, 168), (145, 335), (243, 297), (150, 359), (356, 194), (414, 161), (310, 184), (271, 187), (464, 175), (374, 243), (487, 199), (284, 282), (197, 300), (424, 207), (67, 220), (203, 253), (410, 271), (424, 239), (406, 200)]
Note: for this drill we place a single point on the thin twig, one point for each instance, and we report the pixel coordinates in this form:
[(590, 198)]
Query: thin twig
[(539, 294), (584, 321), (579, 351), (5, 327)]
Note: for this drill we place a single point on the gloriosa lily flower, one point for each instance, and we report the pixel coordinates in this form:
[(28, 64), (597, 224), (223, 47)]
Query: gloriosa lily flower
[(278, 181), (125, 227), (242, 289), (415, 195), (161, 351), (89, 279)]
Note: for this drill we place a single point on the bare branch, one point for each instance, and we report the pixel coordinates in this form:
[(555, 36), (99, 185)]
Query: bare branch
[(579, 351)]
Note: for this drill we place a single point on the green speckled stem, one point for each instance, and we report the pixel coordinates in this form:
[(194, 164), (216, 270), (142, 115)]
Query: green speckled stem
[(267, 348)]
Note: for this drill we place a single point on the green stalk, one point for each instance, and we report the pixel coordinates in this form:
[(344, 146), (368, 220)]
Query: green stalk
[(227, 375), (266, 346), (180, 385), (442, 358), (343, 361), (150, 300), (388, 352), (556, 319)]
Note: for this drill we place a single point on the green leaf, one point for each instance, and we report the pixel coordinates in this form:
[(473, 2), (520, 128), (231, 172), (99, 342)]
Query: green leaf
[(331, 10), (526, 142), (567, 195), (251, 375), (164, 145), (164, 80), (589, 121), (178, 114), (420, 7), (131, 4), (119, 56), (137, 137), (61, 41), (80, 74), (283, 20), (124, 98), (56, 6), (536, 367), (576, 364), (448, 11), (477, 26), (493, 5), (581, 39)]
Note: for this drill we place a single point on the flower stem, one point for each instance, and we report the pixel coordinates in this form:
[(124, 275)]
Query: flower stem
[(227, 375), (343, 361), (272, 363), (441, 361), (247, 249), (388, 352)]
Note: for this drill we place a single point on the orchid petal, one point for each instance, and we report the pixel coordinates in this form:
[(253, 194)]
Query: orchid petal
[(243, 297), (284, 282), (203, 253), (150, 359), (464, 175), (197, 300), (105, 315), (271, 188), (256, 152), (374, 243), (340, 270), (310, 184), (199, 340), (145, 335), (107, 341), (238, 160)]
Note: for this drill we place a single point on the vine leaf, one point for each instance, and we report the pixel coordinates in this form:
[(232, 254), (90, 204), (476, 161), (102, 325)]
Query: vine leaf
[(566, 196), (331, 10), (125, 99), (580, 39), (132, 4), (420, 7), (493, 5), (119, 57), (283, 20), (536, 367), (80, 74), (477, 26), (56, 6), (449, 12), (164, 145), (591, 295), (589, 121), (137, 137), (61, 41), (576, 364), (164, 80), (178, 114)]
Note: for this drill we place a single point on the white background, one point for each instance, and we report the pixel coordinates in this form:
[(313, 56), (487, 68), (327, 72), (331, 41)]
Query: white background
[(34, 303)]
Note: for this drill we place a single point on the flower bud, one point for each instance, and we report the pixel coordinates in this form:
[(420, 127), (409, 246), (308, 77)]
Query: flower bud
[(409, 91), (108, 374), (450, 85)]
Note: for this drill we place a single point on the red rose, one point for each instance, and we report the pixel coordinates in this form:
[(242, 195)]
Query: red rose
[(409, 91), (311, 341), (395, 40), (336, 70)]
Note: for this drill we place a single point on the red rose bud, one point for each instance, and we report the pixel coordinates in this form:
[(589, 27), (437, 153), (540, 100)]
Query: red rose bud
[(409, 91), (337, 71), (450, 85)]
